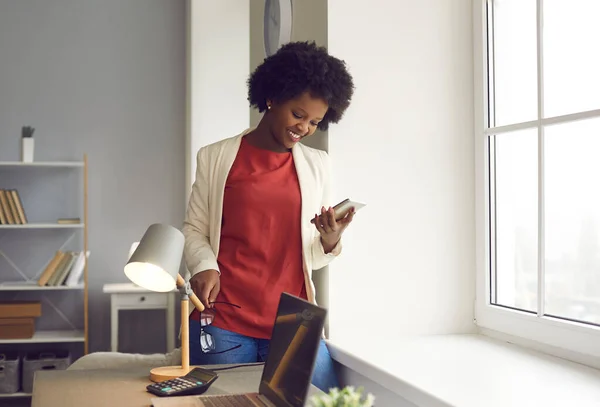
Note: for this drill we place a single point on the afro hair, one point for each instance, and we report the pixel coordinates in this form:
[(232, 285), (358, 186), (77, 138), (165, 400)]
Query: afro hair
[(298, 67)]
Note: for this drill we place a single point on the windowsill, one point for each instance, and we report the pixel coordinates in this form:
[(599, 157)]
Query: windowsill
[(470, 371)]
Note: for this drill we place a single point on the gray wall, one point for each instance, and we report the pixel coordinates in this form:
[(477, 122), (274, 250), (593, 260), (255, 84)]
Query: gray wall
[(106, 78)]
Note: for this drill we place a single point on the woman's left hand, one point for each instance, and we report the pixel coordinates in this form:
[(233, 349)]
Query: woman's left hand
[(330, 229)]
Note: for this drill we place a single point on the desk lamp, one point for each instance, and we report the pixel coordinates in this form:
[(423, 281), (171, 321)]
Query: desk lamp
[(154, 265)]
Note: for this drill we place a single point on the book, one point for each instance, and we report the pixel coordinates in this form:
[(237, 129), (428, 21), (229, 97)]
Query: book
[(76, 272), (68, 221), (50, 268), (11, 208), (19, 206), (6, 207)]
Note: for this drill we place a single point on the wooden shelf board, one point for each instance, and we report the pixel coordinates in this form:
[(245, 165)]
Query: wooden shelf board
[(23, 286), (49, 337), (65, 164), (15, 395), (44, 226)]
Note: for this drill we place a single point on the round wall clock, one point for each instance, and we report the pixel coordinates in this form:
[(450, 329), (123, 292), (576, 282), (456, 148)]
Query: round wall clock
[(277, 24)]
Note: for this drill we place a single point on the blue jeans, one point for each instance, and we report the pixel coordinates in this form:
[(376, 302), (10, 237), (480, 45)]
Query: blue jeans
[(253, 350)]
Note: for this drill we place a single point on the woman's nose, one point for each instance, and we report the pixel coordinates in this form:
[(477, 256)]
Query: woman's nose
[(302, 128)]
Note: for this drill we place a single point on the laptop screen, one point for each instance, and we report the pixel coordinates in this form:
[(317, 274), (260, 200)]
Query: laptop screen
[(292, 352)]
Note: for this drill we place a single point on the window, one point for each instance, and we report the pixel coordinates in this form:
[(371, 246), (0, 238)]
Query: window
[(538, 155)]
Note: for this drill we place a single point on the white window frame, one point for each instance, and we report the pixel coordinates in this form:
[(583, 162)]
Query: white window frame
[(570, 340)]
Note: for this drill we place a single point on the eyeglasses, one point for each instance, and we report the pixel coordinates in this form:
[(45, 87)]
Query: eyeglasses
[(207, 342)]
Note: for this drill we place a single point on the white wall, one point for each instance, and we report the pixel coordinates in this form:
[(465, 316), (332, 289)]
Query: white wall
[(383, 395), (405, 147), (218, 67)]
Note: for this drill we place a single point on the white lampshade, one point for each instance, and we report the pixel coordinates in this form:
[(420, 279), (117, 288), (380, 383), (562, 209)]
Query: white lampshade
[(156, 260), (134, 246)]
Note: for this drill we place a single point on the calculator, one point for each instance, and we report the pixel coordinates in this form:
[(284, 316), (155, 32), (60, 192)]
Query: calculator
[(197, 381)]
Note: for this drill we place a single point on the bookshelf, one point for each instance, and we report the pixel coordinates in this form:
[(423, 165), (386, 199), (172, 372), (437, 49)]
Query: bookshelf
[(19, 229)]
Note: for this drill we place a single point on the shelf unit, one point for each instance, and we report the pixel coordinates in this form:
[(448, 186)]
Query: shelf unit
[(30, 286)]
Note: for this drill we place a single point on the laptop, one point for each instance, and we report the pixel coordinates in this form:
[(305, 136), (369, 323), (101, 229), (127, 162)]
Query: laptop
[(290, 362)]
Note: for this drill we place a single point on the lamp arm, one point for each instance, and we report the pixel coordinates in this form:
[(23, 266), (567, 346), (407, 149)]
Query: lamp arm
[(187, 294), (182, 285)]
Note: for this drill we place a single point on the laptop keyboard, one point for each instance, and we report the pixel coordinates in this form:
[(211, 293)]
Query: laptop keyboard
[(227, 401)]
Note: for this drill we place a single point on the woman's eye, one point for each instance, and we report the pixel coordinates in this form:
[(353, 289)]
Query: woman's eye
[(296, 115), (314, 124)]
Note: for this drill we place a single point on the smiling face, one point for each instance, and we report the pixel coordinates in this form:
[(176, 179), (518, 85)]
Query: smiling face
[(291, 121)]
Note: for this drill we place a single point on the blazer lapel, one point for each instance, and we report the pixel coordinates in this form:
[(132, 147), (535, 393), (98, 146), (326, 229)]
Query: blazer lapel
[(224, 162), (306, 190), (226, 159)]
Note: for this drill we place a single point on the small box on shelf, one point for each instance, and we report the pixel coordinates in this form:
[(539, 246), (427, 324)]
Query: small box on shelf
[(20, 309), (17, 328), (17, 319), (53, 360), (10, 372)]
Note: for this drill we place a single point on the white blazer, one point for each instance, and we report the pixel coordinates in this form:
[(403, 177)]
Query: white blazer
[(202, 224)]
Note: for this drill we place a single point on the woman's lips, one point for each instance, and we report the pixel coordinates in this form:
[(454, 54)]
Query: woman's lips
[(294, 136)]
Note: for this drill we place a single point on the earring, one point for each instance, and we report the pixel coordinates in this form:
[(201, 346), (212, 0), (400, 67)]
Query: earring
[(269, 107)]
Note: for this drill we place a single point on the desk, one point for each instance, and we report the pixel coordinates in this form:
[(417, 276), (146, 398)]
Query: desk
[(133, 297), (101, 388)]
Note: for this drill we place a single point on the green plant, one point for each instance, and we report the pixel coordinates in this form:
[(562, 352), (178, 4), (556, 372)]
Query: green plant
[(347, 397), (27, 131)]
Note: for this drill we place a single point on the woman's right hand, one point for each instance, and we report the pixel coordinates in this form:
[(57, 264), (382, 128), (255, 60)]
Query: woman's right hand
[(206, 285)]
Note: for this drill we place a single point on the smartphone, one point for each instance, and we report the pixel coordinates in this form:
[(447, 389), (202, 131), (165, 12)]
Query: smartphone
[(342, 208)]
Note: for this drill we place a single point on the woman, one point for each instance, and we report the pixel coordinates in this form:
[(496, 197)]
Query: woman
[(248, 230)]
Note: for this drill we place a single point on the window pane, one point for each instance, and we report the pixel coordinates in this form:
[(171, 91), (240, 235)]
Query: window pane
[(571, 60), (572, 212), (515, 61), (516, 159)]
